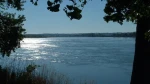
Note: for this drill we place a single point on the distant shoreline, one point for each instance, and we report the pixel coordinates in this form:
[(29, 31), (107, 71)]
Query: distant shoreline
[(128, 34)]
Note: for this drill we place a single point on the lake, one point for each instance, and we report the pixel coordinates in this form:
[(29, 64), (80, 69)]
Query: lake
[(106, 60)]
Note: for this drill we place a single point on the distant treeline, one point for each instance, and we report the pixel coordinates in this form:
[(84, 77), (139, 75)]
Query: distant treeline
[(128, 34)]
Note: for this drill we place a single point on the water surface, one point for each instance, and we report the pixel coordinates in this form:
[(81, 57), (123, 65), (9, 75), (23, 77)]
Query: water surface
[(106, 60)]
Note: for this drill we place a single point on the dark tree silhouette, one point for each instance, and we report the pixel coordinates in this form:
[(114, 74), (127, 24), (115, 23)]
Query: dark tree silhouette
[(136, 11), (11, 31)]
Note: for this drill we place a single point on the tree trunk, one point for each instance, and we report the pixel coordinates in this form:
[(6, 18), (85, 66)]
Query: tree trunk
[(141, 64)]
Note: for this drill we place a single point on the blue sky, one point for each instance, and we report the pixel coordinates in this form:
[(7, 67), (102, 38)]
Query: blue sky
[(40, 20)]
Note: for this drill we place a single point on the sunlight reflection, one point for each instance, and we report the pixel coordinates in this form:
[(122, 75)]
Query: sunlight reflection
[(33, 58), (55, 54), (32, 40), (34, 47), (32, 44), (54, 61)]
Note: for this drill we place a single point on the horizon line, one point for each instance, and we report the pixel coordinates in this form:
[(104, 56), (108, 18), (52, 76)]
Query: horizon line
[(81, 33)]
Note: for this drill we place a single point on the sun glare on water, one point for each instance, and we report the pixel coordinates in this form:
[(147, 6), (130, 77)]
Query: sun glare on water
[(31, 44), (35, 48)]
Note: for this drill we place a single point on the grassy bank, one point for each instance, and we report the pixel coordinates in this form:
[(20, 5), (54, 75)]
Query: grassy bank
[(30, 75)]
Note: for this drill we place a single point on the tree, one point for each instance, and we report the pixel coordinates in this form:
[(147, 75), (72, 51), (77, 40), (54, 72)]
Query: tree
[(11, 31), (136, 11)]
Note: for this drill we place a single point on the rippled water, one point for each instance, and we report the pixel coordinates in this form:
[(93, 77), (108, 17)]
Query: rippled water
[(106, 60)]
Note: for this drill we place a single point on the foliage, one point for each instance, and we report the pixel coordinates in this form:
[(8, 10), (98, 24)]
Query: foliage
[(72, 11), (147, 35), (16, 4), (22, 77), (116, 10), (11, 31), (129, 10)]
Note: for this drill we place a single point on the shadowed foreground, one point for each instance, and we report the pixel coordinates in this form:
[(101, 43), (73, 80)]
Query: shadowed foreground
[(29, 76)]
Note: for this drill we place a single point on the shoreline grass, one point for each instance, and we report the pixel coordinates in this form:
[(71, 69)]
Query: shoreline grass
[(11, 73)]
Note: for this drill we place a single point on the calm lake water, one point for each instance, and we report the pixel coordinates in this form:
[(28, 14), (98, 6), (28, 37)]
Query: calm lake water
[(106, 60)]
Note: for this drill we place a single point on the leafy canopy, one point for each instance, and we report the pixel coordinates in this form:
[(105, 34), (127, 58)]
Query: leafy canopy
[(73, 11), (129, 10), (11, 31)]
